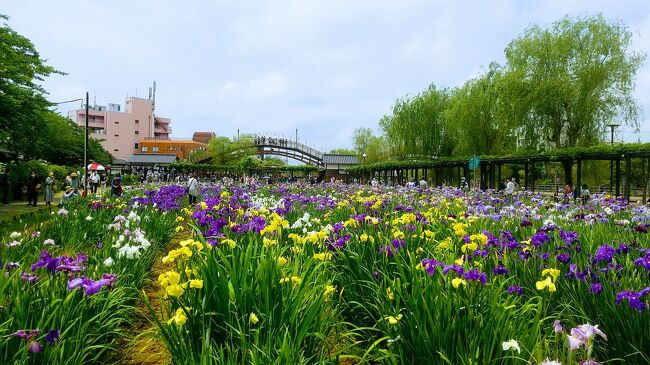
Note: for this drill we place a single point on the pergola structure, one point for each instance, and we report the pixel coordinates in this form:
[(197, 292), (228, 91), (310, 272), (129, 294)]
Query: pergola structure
[(489, 170)]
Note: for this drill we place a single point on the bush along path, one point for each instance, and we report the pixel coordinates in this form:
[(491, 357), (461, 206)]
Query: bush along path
[(69, 289)]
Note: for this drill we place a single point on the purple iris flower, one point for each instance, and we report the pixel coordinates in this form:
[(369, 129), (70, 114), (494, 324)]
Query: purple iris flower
[(387, 249), (430, 265), (397, 243), (92, 287), (643, 261), (525, 223), (501, 270), (604, 253), (33, 346), (52, 336), (539, 238), (633, 298), (337, 227), (376, 274), (641, 228), (99, 244), (30, 278), (623, 249), (476, 275), (515, 289), (596, 288), (569, 237), (564, 258), (455, 268)]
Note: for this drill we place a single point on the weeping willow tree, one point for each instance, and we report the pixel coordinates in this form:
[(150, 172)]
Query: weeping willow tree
[(417, 127), (224, 150), (479, 121), (571, 80)]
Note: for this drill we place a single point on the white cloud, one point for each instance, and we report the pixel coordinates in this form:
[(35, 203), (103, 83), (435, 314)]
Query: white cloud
[(324, 67)]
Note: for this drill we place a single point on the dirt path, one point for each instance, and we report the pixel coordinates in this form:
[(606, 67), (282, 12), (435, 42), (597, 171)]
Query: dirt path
[(142, 345)]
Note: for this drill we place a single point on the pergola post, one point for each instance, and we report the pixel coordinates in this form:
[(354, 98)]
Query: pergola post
[(482, 177), (628, 177), (578, 188), (618, 177), (645, 179), (526, 176), (498, 175), (532, 180)]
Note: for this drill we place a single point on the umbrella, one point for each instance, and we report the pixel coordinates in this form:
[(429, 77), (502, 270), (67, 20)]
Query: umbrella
[(96, 166)]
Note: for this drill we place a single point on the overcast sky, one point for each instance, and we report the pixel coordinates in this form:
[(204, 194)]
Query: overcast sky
[(323, 67)]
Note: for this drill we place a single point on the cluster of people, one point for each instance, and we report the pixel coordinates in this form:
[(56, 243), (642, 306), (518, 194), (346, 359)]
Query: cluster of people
[(70, 186), (273, 141)]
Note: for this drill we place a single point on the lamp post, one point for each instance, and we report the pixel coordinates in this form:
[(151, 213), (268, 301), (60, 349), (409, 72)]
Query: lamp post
[(611, 162)]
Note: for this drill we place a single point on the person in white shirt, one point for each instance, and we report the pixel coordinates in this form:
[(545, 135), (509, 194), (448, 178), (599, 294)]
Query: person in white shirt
[(193, 189), (510, 190), (94, 181)]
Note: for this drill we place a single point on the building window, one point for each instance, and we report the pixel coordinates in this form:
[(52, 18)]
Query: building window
[(169, 149), (137, 132), (137, 121), (136, 145), (144, 148), (117, 135), (116, 150), (154, 149), (116, 122)]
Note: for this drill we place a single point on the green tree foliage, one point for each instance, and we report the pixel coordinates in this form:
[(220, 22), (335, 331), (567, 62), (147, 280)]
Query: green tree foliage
[(374, 147), (226, 151), (342, 151), (22, 99), (477, 118), (572, 79), (62, 143), (418, 125)]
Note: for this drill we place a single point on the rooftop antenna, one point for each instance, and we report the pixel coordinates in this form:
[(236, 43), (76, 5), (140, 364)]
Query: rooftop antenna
[(150, 93), (153, 110), (95, 101)]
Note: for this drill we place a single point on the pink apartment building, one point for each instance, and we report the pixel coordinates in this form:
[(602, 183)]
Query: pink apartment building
[(122, 130)]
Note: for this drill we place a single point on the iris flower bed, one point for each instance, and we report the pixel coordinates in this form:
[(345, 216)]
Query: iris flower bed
[(70, 279), (302, 274)]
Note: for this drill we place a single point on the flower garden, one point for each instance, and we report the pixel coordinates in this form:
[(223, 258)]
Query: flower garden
[(304, 274)]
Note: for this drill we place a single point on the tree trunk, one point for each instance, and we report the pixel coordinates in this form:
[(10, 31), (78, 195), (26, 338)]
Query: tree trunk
[(568, 171)]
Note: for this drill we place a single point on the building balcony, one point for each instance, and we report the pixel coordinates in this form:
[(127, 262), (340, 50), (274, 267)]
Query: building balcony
[(159, 129)]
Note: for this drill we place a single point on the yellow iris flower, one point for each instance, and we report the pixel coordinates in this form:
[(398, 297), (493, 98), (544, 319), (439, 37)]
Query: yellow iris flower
[(546, 283)]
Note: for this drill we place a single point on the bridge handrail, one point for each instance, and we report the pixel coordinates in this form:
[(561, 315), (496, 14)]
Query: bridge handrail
[(287, 143)]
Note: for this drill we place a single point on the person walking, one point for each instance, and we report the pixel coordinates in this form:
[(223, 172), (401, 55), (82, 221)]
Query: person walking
[(585, 194), (74, 181), (49, 188), (102, 182), (33, 185), (94, 181), (192, 189), (116, 186), (568, 192)]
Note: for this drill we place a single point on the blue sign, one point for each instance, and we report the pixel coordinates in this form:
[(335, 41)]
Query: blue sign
[(474, 162)]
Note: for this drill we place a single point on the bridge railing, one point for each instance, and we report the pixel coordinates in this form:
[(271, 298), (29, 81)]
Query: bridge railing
[(288, 144)]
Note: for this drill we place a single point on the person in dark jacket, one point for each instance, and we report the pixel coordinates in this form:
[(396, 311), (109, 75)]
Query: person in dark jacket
[(33, 185)]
